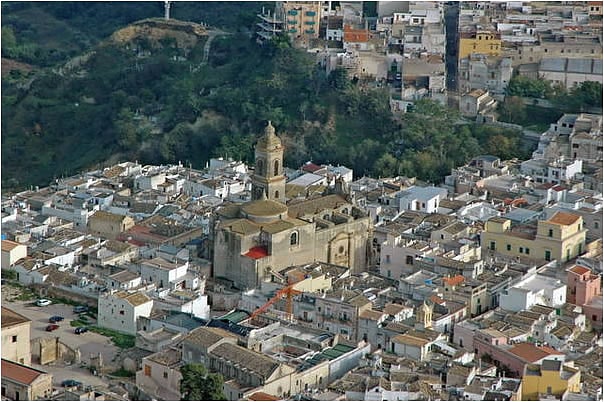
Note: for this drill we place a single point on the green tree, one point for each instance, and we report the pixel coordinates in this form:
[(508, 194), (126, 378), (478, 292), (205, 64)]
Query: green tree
[(513, 110), (198, 384), (8, 38)]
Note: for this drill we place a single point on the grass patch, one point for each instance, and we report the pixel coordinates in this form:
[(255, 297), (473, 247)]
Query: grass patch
[(120, 340), (77, 323), (26, 293), (122, 373)]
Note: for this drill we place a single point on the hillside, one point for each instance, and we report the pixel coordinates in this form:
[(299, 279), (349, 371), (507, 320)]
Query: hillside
[(146, 92)]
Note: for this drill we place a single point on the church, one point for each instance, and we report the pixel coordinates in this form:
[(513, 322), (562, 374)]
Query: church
[(258, 239)]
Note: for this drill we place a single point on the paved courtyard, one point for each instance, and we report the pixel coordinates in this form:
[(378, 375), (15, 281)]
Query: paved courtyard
[(88, 343)]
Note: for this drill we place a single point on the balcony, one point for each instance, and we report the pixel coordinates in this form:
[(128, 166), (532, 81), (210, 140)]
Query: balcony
[(309, 23), (292, 12), (309, 31), (293, 30), (310, 13), (292, 22)]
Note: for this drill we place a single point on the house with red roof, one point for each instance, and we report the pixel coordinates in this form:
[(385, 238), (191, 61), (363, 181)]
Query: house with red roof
[(24, 383)]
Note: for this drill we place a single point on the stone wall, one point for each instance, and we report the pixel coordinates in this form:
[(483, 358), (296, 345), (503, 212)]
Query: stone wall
[(49, 350)]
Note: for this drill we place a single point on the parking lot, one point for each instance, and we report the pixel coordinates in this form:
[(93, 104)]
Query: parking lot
[(88, 343)]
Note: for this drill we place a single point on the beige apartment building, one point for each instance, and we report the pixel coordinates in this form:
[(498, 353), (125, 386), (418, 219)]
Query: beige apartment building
[(108, 225), (561, 238), (301, 20), (16, 331)]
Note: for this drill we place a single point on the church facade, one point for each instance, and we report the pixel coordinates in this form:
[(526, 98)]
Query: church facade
[(259, 239)]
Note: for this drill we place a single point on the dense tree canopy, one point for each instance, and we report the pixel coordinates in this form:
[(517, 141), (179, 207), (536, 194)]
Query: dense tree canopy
[(198, 384), (161, 108)]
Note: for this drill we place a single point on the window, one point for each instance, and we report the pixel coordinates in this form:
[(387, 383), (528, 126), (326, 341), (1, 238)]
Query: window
[(147, 370), (293, 238), (165, 374), (277, 194), (260, 166), (594, 317), (389, 274), (549, 390), (276, 170), (409, 260), (596, 225), (492, 246), (527, 251), (508, 247), (548, 255), (14, 339), (121, 312), (521, 250), (550, 233)]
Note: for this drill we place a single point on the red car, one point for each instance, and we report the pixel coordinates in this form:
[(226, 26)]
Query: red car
[(52, 327)]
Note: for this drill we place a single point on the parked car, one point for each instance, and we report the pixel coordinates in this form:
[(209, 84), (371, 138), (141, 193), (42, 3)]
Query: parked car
[(80, 309), (43, 302), (70, 383), (52, 327), (55, 318), (81, 330)]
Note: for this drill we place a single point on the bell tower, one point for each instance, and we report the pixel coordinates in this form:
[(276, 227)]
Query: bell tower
[(268, 180)]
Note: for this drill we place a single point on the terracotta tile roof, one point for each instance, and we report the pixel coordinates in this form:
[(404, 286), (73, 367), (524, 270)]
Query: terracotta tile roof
[(579, 270), (453, 281), (409, 340), (310, 167), (262, 396), (563, 218), (10, 318), (206, 337), (531, 353), (371, 315), (437, 300), (107, 216), (135, 299), (8, 245), (19, 373)]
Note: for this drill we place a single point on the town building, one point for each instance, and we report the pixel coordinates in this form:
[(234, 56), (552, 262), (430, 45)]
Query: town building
[(160, 375), (560, 238), (16, 331), (109, 225), (483, 42), (119, 311), (12, 252), (23, 383), (551, 378)]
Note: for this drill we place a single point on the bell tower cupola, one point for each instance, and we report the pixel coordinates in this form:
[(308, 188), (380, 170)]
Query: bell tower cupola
[(268, 179)]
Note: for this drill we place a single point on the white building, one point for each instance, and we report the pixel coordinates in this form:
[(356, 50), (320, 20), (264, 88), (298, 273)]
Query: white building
[(119, 311), (424, 199), (535, 289), (183, 301), (12, 252), (149, 182), (166, 274), (555, 172)]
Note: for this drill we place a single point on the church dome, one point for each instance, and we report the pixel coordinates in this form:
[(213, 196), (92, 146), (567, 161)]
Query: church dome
[(269, 139), (264, 210)]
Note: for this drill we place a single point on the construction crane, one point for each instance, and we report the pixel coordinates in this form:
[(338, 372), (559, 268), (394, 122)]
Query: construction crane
[(289, 292)]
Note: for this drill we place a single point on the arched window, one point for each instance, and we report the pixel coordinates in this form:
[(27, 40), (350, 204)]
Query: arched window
[(276, 168), (277, 194), (260, 166), (293, 238)]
